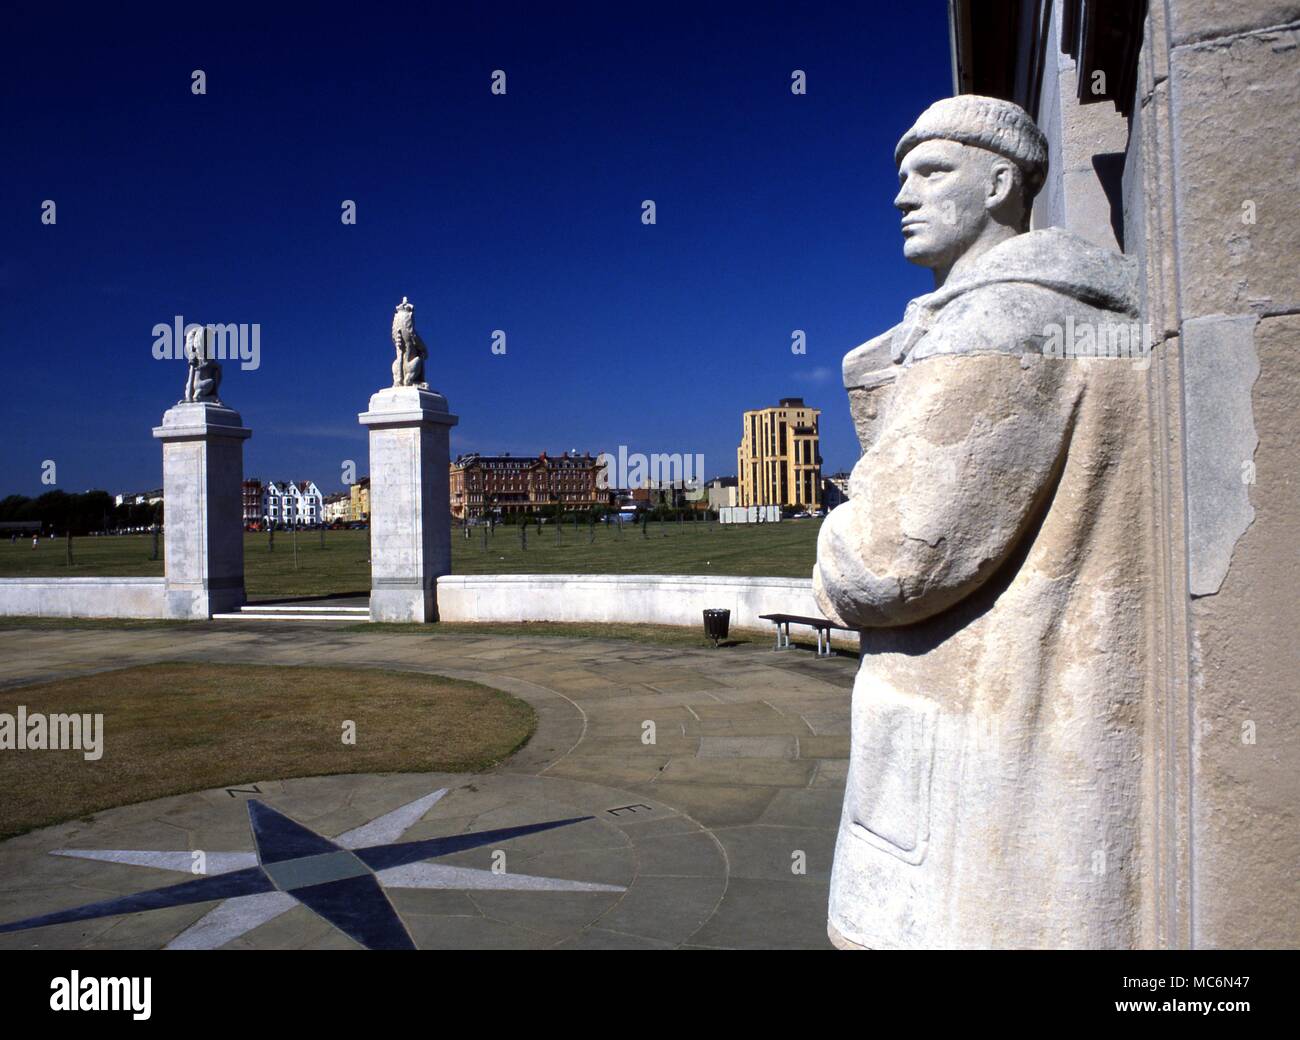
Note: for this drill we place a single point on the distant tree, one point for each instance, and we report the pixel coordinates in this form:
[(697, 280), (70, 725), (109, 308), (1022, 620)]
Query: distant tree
[(88, 512), (12, 507), (52, 509)]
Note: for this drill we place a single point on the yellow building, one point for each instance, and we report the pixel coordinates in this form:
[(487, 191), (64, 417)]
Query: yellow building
[(359, 500), (779, 459)]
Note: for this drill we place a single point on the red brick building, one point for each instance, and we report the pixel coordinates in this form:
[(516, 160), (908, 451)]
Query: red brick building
[(252, 502), (502, 484)]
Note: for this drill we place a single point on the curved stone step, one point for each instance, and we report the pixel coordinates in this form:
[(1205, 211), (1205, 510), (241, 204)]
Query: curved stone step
[(280, 616)]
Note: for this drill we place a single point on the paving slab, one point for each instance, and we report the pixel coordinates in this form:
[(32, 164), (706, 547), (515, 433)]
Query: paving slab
[(753, 912)]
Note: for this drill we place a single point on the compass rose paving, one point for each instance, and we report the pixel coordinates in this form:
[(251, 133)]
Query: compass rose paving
[(669, 797)]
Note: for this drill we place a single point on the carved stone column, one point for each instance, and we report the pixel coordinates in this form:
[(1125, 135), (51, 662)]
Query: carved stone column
[(410, 501), (203, 474)]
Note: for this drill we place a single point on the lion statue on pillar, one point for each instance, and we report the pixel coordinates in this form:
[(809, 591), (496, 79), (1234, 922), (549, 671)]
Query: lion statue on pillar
[(203, 379), (408, 367)]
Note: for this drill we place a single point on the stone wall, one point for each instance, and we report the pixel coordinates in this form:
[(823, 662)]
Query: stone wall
[(1208, 200), (625, 598), (1218, 167), (83, 597), (1085, 146)]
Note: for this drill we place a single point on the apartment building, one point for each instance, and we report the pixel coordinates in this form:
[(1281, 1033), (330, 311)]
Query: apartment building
[(779, 458)]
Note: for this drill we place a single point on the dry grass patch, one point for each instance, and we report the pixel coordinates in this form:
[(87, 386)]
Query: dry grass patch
[(175, 727)]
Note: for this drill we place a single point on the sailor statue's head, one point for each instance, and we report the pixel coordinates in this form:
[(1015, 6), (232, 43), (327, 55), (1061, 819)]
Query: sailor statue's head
[(968, 171)]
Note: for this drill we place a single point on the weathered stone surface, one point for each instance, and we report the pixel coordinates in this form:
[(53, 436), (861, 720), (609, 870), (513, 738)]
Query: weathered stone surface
[(1149, 211), (1233, 166), (83, 597), (1083, 142), (1219, 369), (1193, 20), (754, 909), (1246, 727)]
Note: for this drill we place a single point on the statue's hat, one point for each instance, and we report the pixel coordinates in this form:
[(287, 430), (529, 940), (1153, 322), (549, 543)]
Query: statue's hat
[(999, 126)]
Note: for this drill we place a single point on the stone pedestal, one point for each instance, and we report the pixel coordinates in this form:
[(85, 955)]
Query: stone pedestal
[(203, 471), (410, 501)]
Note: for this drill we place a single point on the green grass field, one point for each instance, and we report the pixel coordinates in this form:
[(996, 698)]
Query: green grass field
[(787, 549)]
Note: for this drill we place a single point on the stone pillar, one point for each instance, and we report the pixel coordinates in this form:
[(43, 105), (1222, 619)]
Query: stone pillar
[(203, 473), (410, 501)]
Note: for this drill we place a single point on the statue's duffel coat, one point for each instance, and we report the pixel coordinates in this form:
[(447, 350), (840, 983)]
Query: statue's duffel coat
[(995, 550)]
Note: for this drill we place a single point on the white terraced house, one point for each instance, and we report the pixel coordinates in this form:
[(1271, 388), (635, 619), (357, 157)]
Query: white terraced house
[(286, 503), (337, 506)]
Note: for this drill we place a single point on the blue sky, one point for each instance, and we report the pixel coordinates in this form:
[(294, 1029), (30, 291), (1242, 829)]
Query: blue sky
[(519, 212)]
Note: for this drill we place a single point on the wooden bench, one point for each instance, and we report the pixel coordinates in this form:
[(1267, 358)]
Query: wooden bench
[(822, 626)]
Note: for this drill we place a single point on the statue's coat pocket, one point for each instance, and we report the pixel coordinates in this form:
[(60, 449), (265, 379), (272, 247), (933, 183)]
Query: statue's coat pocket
[(889, 784)]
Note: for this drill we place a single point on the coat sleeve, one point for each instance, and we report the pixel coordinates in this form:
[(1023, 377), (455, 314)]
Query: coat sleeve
[(964, 465)]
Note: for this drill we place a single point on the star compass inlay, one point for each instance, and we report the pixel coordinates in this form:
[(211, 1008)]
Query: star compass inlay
[(342, 879)]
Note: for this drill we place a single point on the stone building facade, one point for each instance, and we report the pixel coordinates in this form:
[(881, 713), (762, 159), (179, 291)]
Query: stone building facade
[(1162, 121), (359, 501), (501, 484)]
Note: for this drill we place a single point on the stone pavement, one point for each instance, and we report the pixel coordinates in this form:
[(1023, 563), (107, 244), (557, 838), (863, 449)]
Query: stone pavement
[(694, 840)]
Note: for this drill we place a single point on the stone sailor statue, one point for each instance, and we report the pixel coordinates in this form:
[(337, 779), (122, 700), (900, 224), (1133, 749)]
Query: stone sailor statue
[(994, 553)]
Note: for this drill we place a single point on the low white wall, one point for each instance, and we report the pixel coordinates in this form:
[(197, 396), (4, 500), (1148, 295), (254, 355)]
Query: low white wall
[(749, 515), (652, 599), (83, 597)]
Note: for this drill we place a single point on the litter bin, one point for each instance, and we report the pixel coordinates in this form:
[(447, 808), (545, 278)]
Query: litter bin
[(716, 623)]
